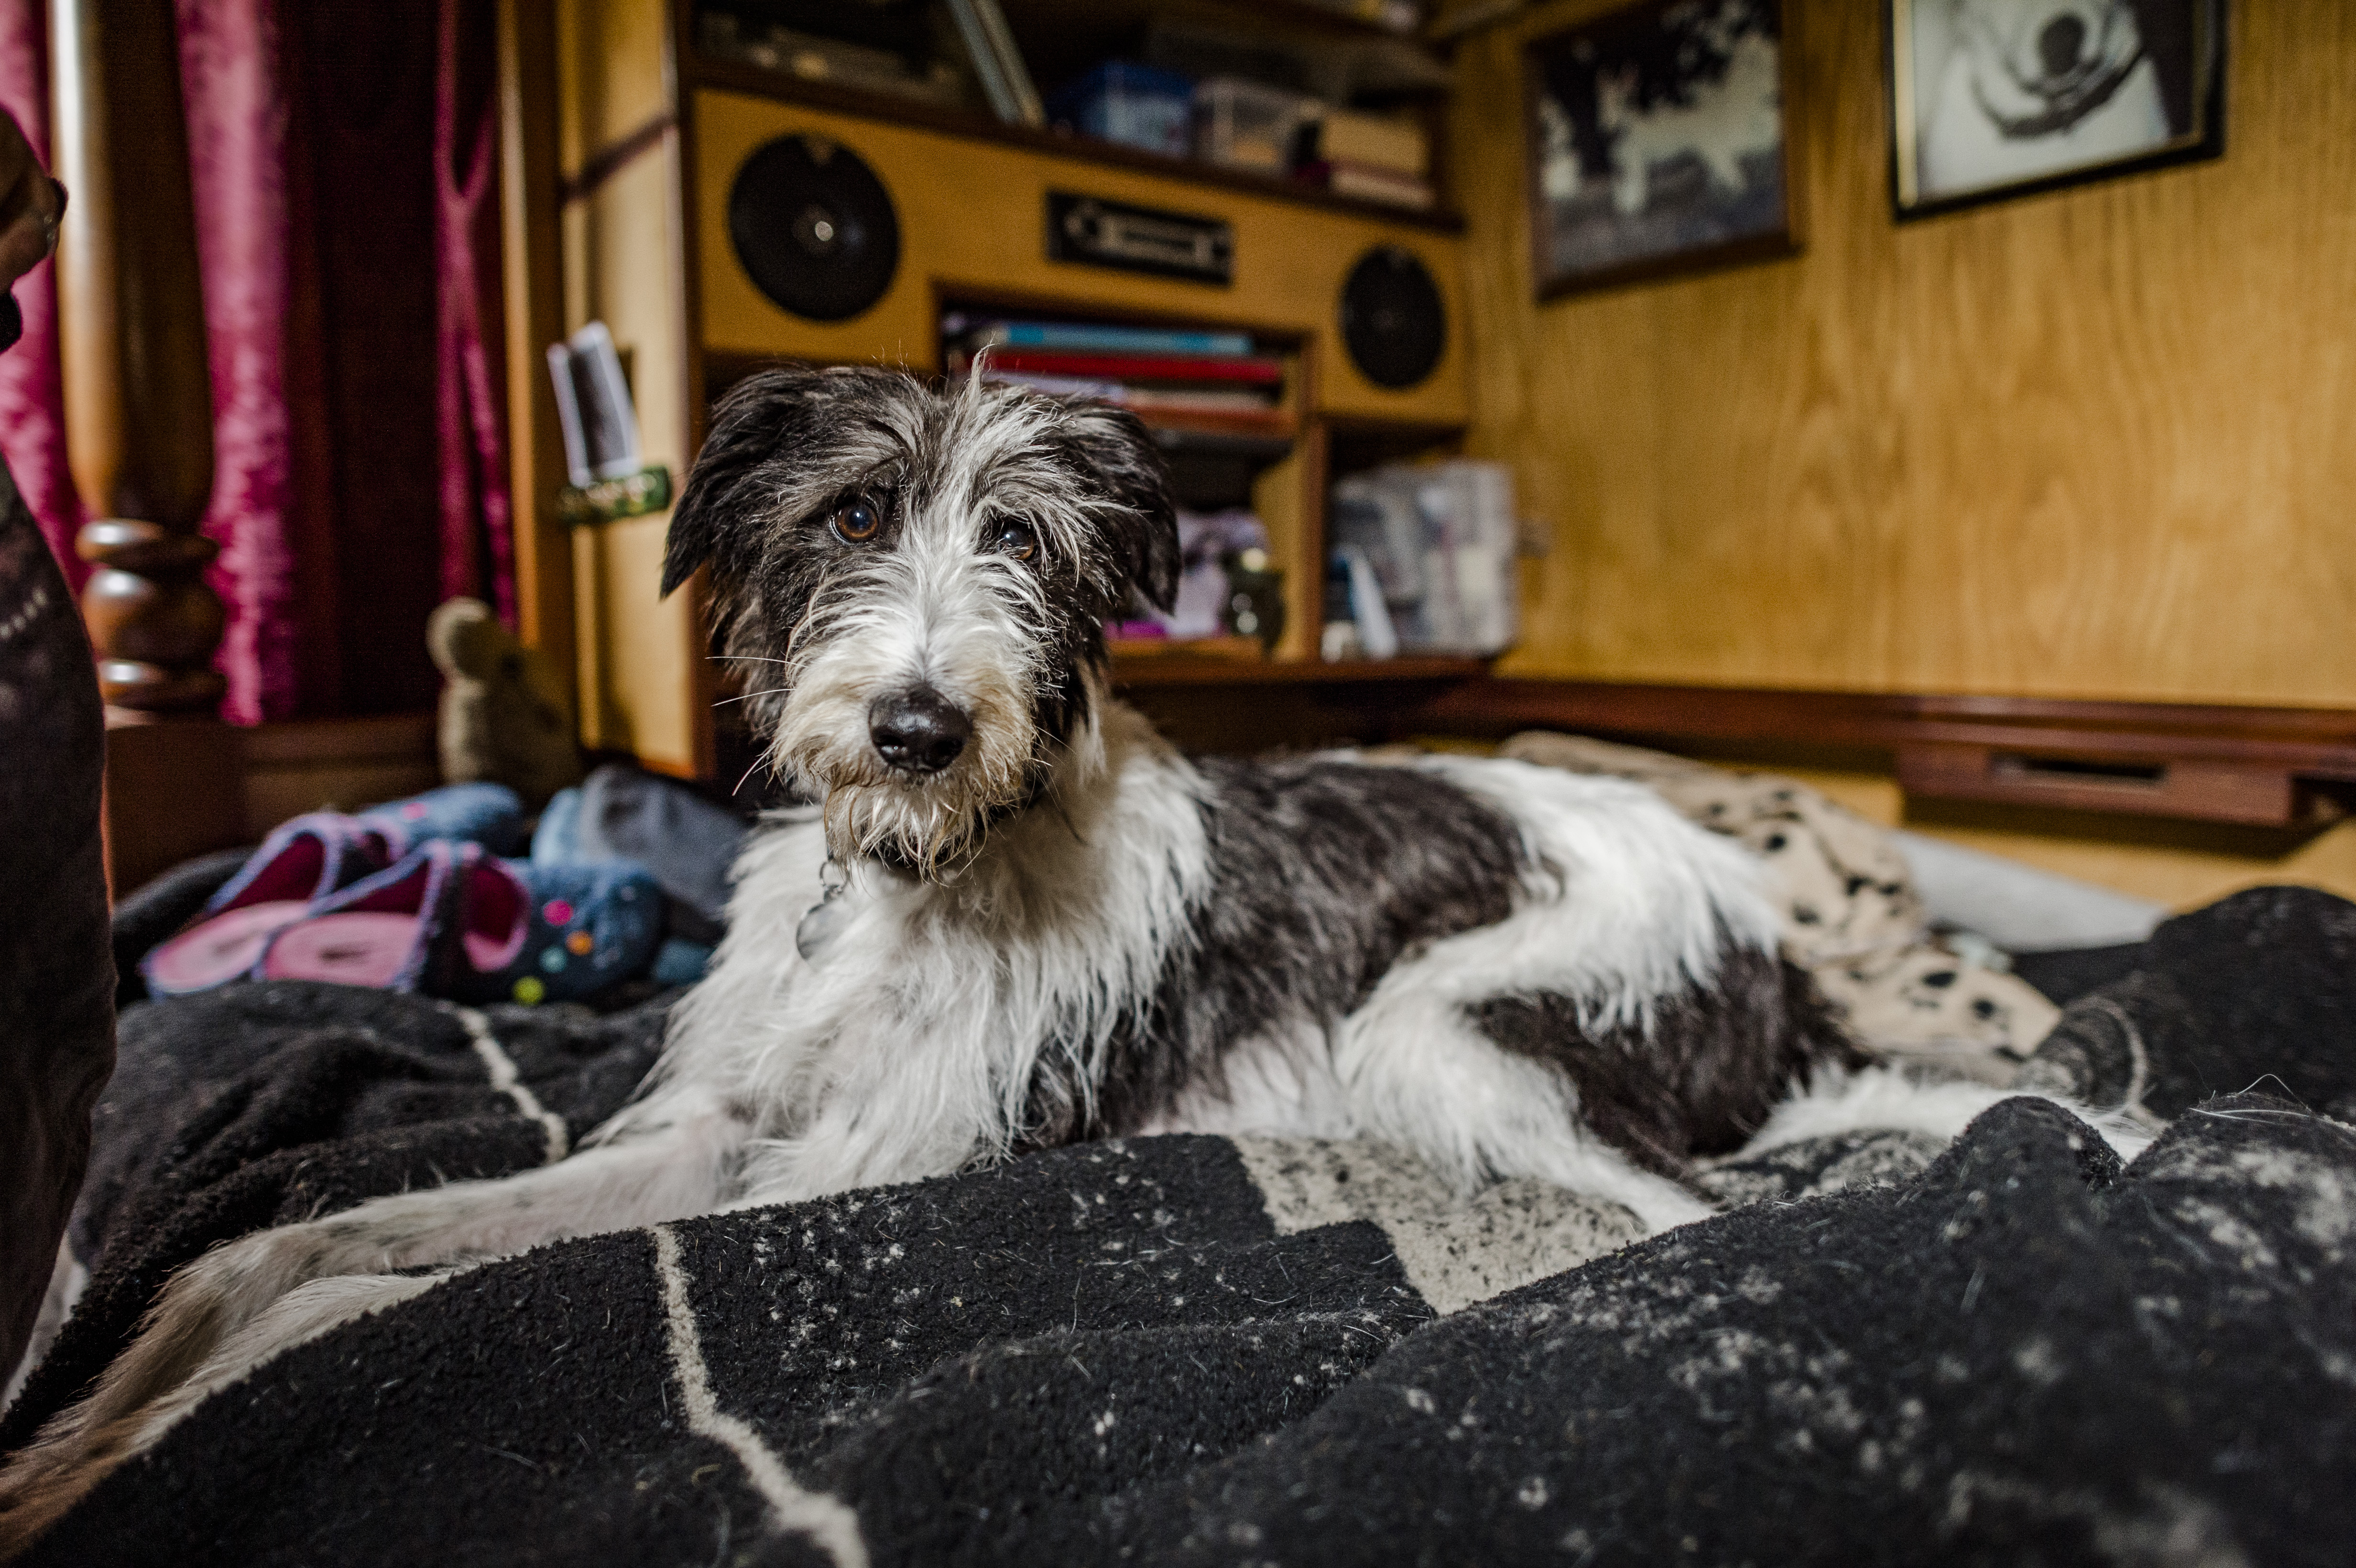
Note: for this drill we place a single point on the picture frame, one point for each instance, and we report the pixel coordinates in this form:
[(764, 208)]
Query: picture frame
[(1991, 100), (1658, 142)]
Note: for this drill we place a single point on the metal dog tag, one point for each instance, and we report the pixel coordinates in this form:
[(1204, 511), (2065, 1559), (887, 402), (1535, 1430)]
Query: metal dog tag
[(825, 918)]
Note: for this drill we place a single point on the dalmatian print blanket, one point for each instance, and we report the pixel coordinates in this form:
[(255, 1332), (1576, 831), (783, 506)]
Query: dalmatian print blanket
[(1852, 916), (1195, 1349)]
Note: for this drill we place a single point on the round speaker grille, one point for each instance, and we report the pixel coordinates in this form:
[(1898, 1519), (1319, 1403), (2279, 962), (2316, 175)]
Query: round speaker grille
[(1392, 320), (814, 227)]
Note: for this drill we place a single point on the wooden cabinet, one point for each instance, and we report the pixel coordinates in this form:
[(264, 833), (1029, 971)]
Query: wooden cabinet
[(652, 135)]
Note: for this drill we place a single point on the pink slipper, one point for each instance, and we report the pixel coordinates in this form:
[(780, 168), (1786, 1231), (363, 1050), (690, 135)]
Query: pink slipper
[(309, 859), (301, 861), (383, 932)]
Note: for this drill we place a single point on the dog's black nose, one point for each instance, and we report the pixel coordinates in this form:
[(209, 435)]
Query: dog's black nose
[(918, 729)]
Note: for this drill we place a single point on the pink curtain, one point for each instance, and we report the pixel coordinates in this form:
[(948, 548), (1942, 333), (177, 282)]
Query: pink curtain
[(476, 522), (319, 551), (32, 400), (237, 152)]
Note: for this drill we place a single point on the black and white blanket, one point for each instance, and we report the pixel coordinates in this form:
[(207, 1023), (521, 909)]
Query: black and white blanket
[(1195, 1349)]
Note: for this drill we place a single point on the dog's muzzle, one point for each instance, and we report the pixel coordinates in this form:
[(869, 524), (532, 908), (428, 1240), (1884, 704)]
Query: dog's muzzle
[(919, 730)]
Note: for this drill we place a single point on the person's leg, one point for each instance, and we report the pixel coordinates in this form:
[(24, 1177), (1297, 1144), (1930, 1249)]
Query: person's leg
[(57, 967)]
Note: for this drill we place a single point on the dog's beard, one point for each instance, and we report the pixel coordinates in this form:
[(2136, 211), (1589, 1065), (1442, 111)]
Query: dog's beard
[(932, 824)]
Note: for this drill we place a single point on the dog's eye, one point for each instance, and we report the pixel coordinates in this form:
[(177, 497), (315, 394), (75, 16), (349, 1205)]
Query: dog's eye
[(1016, 538), (856, 522)]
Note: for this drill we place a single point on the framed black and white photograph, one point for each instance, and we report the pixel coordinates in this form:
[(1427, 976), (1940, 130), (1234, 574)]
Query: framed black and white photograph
[(1657, 143), (1997, 98)]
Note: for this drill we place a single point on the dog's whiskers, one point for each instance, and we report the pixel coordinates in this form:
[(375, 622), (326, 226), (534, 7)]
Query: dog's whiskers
[(748, 697)]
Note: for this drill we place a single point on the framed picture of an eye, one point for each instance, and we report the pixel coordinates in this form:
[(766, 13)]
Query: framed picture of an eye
[(1991, 99)]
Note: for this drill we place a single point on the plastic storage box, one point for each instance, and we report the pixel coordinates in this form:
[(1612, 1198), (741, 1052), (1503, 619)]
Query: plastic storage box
[(1248, 126), (1136, 105)]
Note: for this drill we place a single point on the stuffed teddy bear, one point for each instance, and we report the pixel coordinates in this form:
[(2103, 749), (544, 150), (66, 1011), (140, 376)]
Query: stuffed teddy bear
[(504, 717)]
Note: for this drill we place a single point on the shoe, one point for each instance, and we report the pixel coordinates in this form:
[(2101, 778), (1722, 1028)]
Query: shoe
[(453, 921), (557, 932), (689, 843), (311, 858), (387, 931)]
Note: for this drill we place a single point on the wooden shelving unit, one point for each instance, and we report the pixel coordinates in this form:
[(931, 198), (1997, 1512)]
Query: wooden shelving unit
[(1133, 670), (648, 131), (2289, 768), (702, 70), (1291, 495)]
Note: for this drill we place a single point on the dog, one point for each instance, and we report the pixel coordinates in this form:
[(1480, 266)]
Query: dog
[(2038, 86), (1013, 917)]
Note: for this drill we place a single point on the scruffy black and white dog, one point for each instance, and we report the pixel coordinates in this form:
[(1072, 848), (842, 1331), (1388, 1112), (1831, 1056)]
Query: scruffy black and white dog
[(1018, 918)]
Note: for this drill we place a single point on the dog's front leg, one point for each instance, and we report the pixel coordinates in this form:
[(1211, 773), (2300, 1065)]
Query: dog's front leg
[(247, 1301)]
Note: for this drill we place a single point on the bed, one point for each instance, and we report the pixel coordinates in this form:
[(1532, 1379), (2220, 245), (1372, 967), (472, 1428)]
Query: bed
[(1190, 1349)]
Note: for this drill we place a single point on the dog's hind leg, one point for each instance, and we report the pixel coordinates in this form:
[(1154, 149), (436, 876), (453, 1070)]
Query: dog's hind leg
[(1417, 1072), (215, 1321)]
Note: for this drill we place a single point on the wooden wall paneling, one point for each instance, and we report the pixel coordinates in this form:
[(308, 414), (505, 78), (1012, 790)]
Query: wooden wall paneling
[(2087, 443), (642, 684), (2181, 865), (1289, 497), (335, 765), (532, 258)]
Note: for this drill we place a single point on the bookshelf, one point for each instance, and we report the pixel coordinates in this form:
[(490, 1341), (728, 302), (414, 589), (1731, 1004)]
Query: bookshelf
[(648, 135), (702, 70), (1293, 451), (1059, 39)]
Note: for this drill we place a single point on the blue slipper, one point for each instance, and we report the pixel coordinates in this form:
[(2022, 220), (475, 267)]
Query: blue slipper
[(555, 933)]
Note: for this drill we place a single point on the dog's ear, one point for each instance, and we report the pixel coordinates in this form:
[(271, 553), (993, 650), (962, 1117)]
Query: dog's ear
[(759, 417), (1114, 448)]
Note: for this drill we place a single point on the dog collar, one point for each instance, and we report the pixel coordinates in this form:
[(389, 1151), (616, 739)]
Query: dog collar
[(824, 919)]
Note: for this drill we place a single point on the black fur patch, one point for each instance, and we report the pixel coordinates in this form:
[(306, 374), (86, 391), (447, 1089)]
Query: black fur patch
[(1323, 875), (1703, 1078)]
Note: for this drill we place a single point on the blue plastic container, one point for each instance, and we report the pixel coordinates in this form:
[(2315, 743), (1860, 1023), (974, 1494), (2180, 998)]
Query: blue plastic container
[(1136, 105)]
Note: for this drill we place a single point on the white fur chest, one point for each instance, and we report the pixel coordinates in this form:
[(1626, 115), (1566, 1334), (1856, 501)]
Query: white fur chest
[(912, 1035)]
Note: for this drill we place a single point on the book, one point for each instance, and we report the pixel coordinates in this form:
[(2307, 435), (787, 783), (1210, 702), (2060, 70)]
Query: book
[(1180, 367), (817, 57), (1374, 142), (1372, 185), (1210, 412), (1089, 339), (1194, 400), (594, 410), (997, 63), (1402, 17)]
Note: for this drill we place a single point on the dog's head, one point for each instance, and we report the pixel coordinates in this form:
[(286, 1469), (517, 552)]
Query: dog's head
[(914, 583)]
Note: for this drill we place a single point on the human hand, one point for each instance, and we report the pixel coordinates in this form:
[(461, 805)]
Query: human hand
[(31, 204)]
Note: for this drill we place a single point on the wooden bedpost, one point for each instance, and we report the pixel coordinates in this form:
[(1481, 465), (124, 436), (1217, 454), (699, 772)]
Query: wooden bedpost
[(139, 430), (132, 336)]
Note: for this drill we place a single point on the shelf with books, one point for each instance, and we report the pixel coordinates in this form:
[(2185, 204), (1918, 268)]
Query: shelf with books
[(1225, 403), (1347, 21), (701, 69), (1183, 667), (1228, 388), (1128, 650)]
